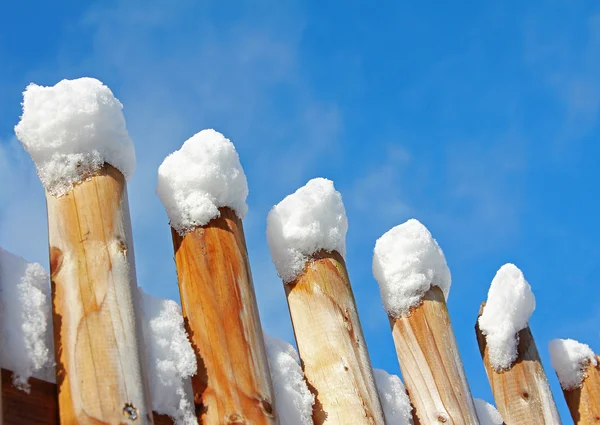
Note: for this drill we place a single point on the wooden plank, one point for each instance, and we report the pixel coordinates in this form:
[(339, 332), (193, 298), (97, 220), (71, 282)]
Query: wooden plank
[(233, 385), (431, 366), (522, 393), (40, 406), (100, 368), (584, 402), (331, 344)]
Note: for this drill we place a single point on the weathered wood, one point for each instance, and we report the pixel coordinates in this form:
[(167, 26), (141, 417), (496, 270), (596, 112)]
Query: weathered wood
[(431, 366), (331, 344), (522, 393), (584, 402), (40, 406), (233, 384), (100, 368)]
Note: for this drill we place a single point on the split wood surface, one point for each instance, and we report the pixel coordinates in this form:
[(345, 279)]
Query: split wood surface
[(233, 384), (100, 368), (331, 344), (522, 393), (431, 366)]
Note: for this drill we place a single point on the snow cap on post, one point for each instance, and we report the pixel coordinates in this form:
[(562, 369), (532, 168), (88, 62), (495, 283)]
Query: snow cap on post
[(294, 401), (407, 262), (570, 360), (509, 306), (303, 223), (394, 400), (201, 177), (26, 320), (71, 130), (487, 414)]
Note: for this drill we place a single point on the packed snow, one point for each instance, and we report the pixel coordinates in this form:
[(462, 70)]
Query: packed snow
[(407, 262), (394, 400), (72, 129), (26, 320), (294, 401), (170, 359), (571, 360), (303, 223), (507, 311), (487, 414), (198, 179)]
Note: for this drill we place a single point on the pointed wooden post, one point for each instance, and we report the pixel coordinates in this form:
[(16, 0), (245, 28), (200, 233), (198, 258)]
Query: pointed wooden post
[(522, 393), (584, 402), (233, 385), (100, 372), (430, 362), (331, 344)]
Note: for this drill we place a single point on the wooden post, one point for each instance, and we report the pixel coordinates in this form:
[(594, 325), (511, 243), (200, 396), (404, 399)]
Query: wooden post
[(99, 363), (431, 366), (40, 405), (233, 384), (522, 393), (331, 344), (584, 402)]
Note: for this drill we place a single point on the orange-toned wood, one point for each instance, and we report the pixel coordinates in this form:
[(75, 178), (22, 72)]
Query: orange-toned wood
[(331, 344), (522, 393), (40, 406), (100, 368), (233, 385), (584, 402), (431, 366)]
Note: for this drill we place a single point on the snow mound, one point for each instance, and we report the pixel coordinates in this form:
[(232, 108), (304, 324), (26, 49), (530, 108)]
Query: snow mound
[(72, 129), (509, 306), (170, 359), (487, 414), (571, 360), (394, 400), (311, 219), (26, 320), (198, 179), (294, 400), (407, 261)]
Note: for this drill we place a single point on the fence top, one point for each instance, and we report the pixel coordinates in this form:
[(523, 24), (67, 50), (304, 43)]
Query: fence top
[(570, 360)]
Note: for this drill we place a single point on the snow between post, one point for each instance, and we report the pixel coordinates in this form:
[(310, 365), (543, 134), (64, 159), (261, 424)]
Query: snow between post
[(171, 361), (487, 414), (303, 223), (509, 306), (198, 179), (570, 359), (407, 261), (26, 320), (294, 401), (71, 130), (394, 400)]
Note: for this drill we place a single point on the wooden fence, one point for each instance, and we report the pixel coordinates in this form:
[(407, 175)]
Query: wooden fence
[(100, 373)]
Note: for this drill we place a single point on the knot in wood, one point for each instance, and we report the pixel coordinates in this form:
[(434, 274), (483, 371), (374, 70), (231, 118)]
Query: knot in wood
[(525, 395), (442, 419), (130, 411), (266, 407), (235, 419)]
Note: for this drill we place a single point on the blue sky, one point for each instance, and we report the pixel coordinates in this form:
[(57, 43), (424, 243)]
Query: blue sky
[(479, 119)]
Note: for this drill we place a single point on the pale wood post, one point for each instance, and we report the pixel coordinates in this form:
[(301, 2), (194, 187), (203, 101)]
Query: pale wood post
[(233, 384), (431, 366), (584, 401), (331, 344), (522, 393), (99, 363)]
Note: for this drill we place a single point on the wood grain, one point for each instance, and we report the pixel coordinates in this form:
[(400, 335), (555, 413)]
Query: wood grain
[(40, 406), (431, 366), (100, 368), (331, 344), (233, 385), (584, 402), (522, 393)]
